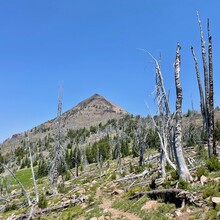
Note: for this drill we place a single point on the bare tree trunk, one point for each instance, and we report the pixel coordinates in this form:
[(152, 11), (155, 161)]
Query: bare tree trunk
[(119, 157), (99, 162), (180, 160), (76, 162), (141, 157), (207, 88), (163, 145), (211, 96), (202, 101), (161, 123), (58, 155), (33, 175)]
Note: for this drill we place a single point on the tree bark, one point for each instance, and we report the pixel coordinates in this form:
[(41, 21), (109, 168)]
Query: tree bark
[(33, 175), (207, 88), (178, 151), (202, 101), (58, 154), (211, 96)]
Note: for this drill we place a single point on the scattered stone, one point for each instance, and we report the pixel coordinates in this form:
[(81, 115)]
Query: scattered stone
[(203, 180), (94, 218), (150, 205), (105, 211), (117, 192), (196, 179), (13, 192), (64, 199), (67, 202), (94, 182), (216, 201), (82, 191), (217, 179), (178, 213)]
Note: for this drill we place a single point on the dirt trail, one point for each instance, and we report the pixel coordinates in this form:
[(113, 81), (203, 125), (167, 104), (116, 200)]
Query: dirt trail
[(106, 205), (115, 213)]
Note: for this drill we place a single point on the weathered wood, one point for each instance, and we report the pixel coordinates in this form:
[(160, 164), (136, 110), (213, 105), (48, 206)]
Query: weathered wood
[(49, 210), (201, 94), (176, 196), (178, 150), (141, 175), (211, 96), (32, 171)]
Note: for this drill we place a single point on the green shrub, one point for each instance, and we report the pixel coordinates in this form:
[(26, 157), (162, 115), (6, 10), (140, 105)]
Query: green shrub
[(10, 207), (138, 169), (42, 201), (131, 192), (113, 176), (167, 184), (209, 192), (211, 215), (86, 180), (168, 167), (202, 171), (183, 184), (202, 152), (123, 174), (217, 208), (175, 175), (62, 188), (213, 164), (131, 169), (90, 199), (67, 176)]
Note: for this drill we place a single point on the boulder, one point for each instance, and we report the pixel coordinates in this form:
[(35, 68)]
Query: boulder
[(215, 201), (217, 179), (178, 213), (203, 180), (13, 192)]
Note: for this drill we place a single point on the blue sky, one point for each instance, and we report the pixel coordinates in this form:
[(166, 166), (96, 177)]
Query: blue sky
[(92, 47)]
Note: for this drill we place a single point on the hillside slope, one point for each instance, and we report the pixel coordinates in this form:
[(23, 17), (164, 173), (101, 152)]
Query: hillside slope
[(90, 112)]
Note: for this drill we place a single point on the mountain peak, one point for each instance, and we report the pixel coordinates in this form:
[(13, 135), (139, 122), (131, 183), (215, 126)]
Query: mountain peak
[(99, 102), (97, 95)]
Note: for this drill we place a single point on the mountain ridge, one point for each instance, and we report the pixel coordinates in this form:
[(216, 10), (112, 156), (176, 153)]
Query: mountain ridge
[(89, 112)]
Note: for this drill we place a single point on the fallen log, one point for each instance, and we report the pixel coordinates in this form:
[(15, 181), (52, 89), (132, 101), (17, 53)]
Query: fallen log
[(57, 208), (141, 175), (151, 158), (176, 196)]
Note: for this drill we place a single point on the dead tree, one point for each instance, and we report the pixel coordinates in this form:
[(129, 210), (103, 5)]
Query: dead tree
[(178, 150), (33, 174), (161, 122), (211, 96), (59, 153), (117, 146), (207, 100), (141, 140), (99, 162), (164, 123), (76, 160)]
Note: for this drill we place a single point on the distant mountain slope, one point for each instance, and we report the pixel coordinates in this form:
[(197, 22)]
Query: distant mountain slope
[(90, 112)]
